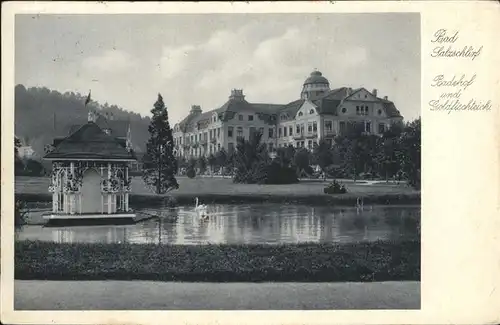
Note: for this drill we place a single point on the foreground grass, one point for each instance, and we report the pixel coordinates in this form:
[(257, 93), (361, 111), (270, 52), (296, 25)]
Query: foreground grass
[(360, 262)]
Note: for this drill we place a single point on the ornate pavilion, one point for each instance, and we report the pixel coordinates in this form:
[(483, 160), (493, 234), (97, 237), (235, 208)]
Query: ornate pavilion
[(90, 174)]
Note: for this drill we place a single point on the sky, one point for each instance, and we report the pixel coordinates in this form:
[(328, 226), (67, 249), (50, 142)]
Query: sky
[(196, 59)]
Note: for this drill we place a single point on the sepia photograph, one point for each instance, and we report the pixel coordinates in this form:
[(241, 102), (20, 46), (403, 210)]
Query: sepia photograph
[(243, 161)]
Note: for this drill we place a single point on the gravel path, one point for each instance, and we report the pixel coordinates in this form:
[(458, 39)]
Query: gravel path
[(127, 295)]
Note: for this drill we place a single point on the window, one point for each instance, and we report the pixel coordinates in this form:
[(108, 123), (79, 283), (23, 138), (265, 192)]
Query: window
[(368, 127), (302, 128), (379, 112), (211, 135), (311, 111), (230, 132), (240, 117), (270, 146), (250, 117), (284, 131), (279, 132), (300, 114), (315, 127), (344, 110), (309, 144), (261, 131), (218, 146), (328, 125), (271, 132), (218, 133), (309, 127), (297, 129), (290, 130), (251, 132), (230, 147), (381, 128), (239, 132), (342, 127)]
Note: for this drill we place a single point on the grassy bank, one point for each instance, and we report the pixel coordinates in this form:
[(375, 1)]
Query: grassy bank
[(379, 261), (348, 199)]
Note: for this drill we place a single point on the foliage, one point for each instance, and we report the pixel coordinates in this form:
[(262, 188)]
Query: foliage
[(191, 168), (160, 165), (410, 155), (322, 155), (250, 160), (18, 163), (42, 114), (19, 214), (201, 164), (302, 160), (212, 162), (374, 261), (221, 158), (335, 188)]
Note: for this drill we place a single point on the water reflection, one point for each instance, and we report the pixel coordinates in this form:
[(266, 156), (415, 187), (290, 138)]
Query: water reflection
[(265, 223)]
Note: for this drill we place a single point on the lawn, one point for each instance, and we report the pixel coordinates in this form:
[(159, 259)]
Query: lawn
[(358, 262)]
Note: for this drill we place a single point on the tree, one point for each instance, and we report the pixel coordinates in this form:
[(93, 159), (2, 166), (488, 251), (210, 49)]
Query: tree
[(302, 160), (191, 168), (388, 153), (18, 163), (410, 155), (160, 165), (212, 162), (201, 163), (250, 160), (322, 156)]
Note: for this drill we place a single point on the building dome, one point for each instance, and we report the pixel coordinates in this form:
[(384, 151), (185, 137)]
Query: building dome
[(316, 78), (315, 86)]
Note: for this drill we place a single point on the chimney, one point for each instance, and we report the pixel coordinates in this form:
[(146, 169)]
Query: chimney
[(195, 109), (111, 117), (385, 97), (374, 92), (237, 94), (348, 91)]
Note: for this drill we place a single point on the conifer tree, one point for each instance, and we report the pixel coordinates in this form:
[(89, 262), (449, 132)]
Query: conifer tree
[(160, 164)]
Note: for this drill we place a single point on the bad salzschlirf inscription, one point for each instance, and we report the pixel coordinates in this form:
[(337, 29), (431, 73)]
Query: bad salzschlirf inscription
[(453, 86)]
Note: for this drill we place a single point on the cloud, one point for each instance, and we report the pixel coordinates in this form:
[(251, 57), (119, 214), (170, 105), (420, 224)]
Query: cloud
[(109, 61)]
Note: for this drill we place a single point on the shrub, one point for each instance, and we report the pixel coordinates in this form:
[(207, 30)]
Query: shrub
[(335, 188), (190, 172), (19, 214), (277, 174)]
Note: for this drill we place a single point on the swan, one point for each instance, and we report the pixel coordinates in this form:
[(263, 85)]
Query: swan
[(201, 209)]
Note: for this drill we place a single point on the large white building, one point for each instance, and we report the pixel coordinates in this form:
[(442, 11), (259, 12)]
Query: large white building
[(320, 113)]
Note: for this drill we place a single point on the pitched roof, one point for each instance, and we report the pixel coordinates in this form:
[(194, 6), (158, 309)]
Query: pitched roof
[(292, 108), (390, 108), (118, 128), (90, 142)]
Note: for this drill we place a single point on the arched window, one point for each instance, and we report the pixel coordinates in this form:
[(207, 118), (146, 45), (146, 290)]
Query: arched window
[(311, 111), (300, 114)]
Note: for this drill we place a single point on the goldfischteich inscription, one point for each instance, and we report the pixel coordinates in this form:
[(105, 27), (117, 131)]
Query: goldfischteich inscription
[(451, 86)]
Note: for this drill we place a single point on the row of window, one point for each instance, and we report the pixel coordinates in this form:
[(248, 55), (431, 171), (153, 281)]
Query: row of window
[(241, 118)]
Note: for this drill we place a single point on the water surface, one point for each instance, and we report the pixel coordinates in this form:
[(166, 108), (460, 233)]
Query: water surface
[(255, 223)]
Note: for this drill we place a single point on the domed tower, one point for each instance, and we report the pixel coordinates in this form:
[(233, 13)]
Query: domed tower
[(315, 86)]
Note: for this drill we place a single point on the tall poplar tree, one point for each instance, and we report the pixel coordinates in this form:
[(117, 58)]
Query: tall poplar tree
[(160, 164)]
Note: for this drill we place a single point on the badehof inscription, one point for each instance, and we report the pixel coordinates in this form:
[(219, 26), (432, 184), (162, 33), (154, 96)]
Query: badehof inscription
[(452, 87)]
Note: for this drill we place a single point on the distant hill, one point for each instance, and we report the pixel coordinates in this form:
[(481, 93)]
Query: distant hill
[(42, 114)]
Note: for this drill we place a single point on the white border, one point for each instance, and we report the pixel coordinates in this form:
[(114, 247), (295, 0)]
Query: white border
[(460, 241)]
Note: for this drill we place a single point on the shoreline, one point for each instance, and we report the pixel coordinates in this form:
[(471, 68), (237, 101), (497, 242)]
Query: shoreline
[(348, 199), (355, 262)]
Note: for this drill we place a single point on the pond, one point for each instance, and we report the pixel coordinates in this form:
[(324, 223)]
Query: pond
[(255, 223)]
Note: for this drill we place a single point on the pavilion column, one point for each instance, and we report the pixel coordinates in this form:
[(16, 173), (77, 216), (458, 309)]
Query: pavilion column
[(109, 193), (72, 195), (125, 196)]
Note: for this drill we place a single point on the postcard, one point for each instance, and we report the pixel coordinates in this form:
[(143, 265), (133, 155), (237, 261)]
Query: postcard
[(250, 162)]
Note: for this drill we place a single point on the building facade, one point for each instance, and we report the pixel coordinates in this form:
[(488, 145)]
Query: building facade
[(319, 113)]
